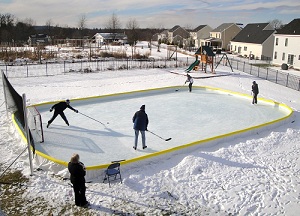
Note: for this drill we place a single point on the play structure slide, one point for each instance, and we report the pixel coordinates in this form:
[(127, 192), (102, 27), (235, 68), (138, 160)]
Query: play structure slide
[(191, 67)]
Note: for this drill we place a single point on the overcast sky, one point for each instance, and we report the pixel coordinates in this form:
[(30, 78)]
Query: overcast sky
[(152, 13)]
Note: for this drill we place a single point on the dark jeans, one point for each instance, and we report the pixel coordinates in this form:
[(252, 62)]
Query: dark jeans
[(190, 86), (79, 190), (254, 101), (56, 114)]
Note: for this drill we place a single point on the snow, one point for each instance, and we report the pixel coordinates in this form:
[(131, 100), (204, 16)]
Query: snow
[(254, 174)]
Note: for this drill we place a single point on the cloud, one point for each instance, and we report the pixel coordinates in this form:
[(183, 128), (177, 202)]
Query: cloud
[(150, 13)]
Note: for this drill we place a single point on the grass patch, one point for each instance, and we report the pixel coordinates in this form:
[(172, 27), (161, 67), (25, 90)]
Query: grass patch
[(12, 201)]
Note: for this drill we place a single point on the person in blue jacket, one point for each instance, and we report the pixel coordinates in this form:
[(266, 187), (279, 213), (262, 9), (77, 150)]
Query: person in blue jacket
[(140, 124), (59, 110)]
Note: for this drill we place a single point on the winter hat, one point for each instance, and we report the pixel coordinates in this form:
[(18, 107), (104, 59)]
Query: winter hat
[(254, 82), (68, 101), (142, 107)]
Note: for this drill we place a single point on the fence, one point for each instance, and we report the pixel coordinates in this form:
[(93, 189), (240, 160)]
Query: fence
[(276, 76), (83, 66)]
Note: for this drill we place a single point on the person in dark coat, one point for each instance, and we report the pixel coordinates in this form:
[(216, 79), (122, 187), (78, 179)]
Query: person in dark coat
[(255, 92), (77, 177), (140, 124), (190, 80), (59, 110)]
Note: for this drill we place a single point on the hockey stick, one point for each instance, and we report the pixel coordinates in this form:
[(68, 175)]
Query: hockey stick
[(159, 136), (118, 161), (92, 118)]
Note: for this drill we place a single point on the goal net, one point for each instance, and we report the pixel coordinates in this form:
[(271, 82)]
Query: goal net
[(35, 124)]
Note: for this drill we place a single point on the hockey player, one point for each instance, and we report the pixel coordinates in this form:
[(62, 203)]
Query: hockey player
[(140, 123), (59, 110), (190, 80), (255, 92)]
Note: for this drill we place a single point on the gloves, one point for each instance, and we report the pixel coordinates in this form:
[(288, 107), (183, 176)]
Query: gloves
[(76, 111), (51, 109)]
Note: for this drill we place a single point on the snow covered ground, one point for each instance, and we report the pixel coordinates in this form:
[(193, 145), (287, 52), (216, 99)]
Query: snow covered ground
[(250, 175)]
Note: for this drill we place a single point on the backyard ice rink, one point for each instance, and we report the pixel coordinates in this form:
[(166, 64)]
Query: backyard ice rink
[(183, 116)]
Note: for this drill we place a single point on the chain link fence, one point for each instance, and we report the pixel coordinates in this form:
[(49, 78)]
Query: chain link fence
[(84, 66), (276, 76)]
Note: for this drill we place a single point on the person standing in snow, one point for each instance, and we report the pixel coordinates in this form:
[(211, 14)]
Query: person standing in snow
[(77, 177), (190, 80), (255, 92), (140, 124), (59, 110)]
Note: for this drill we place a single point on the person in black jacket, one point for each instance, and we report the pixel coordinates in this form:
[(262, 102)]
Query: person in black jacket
[(59, 110), (255, 92), (77, 177), (140, 124)]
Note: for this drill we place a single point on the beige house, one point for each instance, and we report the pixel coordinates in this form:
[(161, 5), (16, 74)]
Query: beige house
[(220, 37), (201, 32), (177, 31)]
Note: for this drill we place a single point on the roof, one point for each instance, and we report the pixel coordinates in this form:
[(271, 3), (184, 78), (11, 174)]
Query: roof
[(253, 33), (292, 28), (199, 28), (174, 28), (222, 27), (108, 36), (207, 49)]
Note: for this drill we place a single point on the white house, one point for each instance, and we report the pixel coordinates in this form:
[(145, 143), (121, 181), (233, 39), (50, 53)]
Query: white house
[(102, 38), (254, 41), (287, 45)]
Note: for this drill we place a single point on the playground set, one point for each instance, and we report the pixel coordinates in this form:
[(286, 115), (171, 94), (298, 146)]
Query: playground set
[(206, 56)]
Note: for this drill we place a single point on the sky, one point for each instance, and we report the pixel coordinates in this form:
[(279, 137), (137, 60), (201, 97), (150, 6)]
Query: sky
[(253, 174), (154, 13)]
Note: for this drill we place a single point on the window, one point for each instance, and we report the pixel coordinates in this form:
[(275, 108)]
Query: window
[(275, 55), (290, 59), (245, 48), (286, 42), (283, 56), (276, 43), (234, 48)]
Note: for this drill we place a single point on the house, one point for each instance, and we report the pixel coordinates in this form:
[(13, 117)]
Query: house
[(38, 39), (286, 45), (201, 32), (161, 37), (254, 41), (106, 38), (177, 31), (220, 37)]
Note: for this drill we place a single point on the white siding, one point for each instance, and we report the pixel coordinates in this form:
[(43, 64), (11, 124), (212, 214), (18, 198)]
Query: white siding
[(292, 49), (245, 49)]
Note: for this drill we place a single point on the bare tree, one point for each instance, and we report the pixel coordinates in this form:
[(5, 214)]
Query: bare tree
[(276, 24), (6, 27), (49, 26), (132, 33), (113, 24), (82, 22)]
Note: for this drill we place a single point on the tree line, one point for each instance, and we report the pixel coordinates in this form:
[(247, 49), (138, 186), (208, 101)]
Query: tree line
[(14, 32)]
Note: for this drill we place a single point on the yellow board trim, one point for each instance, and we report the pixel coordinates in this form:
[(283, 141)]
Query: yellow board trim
[(103, 166)]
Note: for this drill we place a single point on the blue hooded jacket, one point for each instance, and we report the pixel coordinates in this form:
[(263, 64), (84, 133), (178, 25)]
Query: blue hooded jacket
[(140, 120)]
